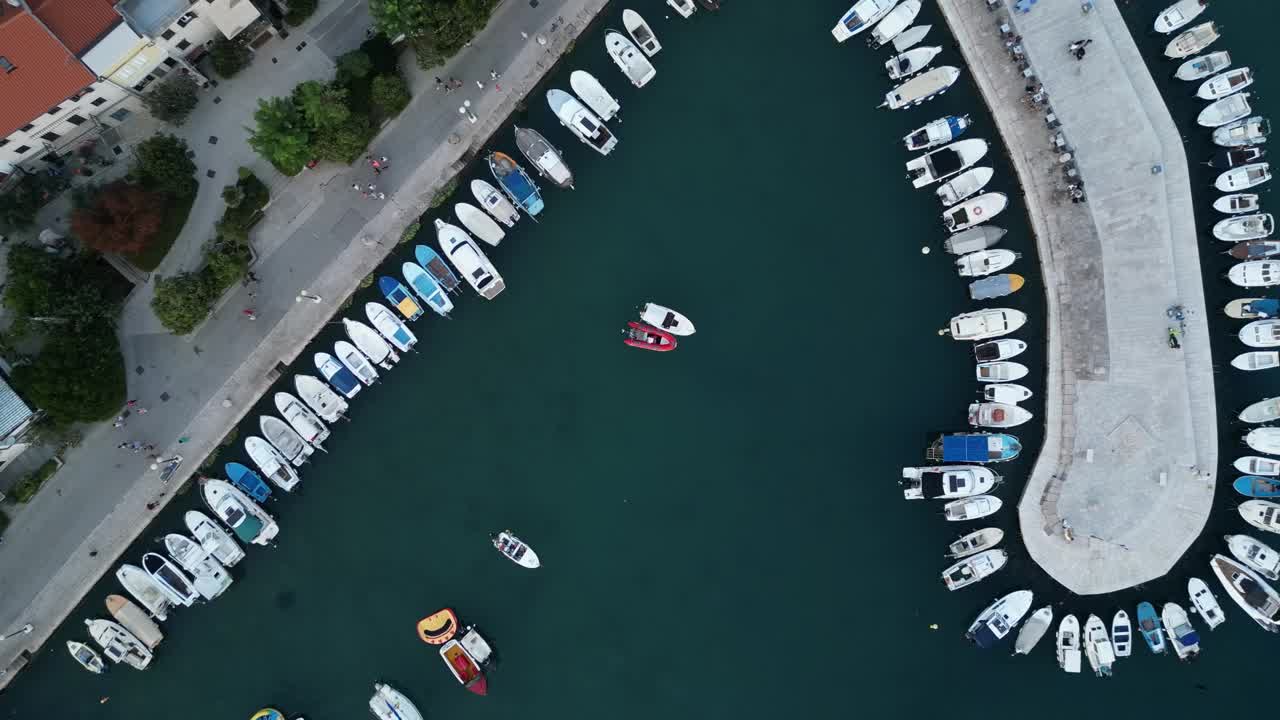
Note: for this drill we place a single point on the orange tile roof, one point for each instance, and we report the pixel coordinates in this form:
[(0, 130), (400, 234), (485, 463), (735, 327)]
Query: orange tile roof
[(43, 75), (77, 23)]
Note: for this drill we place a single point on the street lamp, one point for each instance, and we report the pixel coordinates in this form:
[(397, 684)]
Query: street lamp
[(466, 110), (304, 295), (24, 630)]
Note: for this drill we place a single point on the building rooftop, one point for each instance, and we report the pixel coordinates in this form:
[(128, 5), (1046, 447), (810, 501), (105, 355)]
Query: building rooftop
[(36, 71), (153, 17), (77, 23)]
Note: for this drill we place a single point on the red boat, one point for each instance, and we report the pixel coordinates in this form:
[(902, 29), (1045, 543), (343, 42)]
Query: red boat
[(464, 667), (648, 337)]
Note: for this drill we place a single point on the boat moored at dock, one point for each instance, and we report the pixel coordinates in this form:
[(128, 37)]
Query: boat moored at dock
[(356, 362), (1205, 604), (1150, 627), (1255, 554), (249, 482), (986, 324), (1182, 635), (583, 123), (390, 327), (494, 203), (1202, 67), (246, 519), (974, 212), (945, 162), (629, 59), (1256, 486), (996, 286), (1192, 41), (971, 508), (145, 590), (515, 183), (1249, 131), (135, 620), (936, 133), (975, 542), (897, 20), (1227, 83), (985, 262), (973, 240), (860, 17), (1227, 110), (465, 255), (964, 185), (370, 344), (1262, 514), (1261, 333), (922, 88), (337, 375), (997, 415), (1178, 15), (118, 644), (326, 403), (1033, 630), (974, 569), (946, 482), (640, 32), (910, 62), (212, 538), (290, 444), (1255, 273), (1236, 203), (305, 423), (88, 658), (478, 223), (546, 158), (999, 619), (974, 448), (1253, 594), (208, 576), (271, 463), (1097, 647), (1069, 644)]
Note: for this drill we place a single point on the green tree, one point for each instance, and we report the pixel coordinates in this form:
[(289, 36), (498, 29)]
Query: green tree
[(353, 66), (281, 135), (19, 205), (174, 99), (162, 165), (345, 142), (74, 292), (437, 28), (323, 105), (78, 376), (229, 56), (225, 265), (183, 301), (299, 11), (390, 94)]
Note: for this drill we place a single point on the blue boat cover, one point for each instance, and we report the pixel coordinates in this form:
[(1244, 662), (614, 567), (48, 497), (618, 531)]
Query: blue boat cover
[(1190, 638), (953, 123), (392, 289), (248, 481), (344, 381), (984, 638), (402, 336), (1266, 308), (965, 448)]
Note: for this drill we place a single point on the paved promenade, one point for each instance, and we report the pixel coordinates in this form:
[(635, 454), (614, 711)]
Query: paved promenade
[(1130, 452)]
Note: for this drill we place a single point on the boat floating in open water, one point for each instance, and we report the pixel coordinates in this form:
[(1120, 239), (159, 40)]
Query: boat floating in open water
[(516, 550), (922, 88), (937, 133), (387, 703), (664, 318), (546, 158), (1202, 67), (629, 59), (946, 482), (1253, 594), (515, 183), (647, 337), (999, 619)]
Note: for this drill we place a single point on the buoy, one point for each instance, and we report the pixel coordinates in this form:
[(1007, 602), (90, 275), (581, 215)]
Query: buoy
[(934, 626), (924, 250)]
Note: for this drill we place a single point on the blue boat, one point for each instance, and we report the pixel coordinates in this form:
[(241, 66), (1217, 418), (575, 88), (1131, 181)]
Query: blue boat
[(1257, 486), (427, 288), (337, 375), (1149, 626), (248, 481), (399, 297), (1265, 308), (437, 268), (974, 448), (515, 183)]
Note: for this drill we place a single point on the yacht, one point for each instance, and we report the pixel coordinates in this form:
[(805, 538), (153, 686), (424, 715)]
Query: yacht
[(946, 482), (581, 122), (974, 569)]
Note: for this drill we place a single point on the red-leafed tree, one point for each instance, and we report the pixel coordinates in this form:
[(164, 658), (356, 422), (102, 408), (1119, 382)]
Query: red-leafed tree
[(122, 218)]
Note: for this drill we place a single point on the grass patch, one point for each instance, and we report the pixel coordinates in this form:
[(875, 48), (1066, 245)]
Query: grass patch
[(443, 193), (175, 217), (30, 485), (410, 232)]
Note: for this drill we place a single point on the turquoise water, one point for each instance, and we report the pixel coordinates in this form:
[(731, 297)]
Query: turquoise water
[(721, 530)]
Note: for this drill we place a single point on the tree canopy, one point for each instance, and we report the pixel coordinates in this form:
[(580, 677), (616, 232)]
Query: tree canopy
[(438, 28), (323, 105), (281, 135), (174, 99), (162, 165), (123, 218)]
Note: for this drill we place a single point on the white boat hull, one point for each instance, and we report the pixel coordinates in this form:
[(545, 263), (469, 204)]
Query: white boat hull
[(594, 94), (1203, 66), (495, 203), (479, 223), (898, 19), (629, 59), (640, 32), (667, 319)]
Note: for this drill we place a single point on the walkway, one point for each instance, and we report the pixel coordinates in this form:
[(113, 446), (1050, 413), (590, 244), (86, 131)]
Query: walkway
[(1130, 450)]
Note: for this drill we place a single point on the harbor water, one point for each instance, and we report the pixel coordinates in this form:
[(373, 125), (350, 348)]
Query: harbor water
[(721, 530)]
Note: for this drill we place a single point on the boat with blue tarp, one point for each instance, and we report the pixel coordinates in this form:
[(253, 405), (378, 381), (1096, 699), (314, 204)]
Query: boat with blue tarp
[(515, 183), (1149, 626), (427, 288), (249, 481), (1257, 486), (974, 448), (399, 297), (337, 375)]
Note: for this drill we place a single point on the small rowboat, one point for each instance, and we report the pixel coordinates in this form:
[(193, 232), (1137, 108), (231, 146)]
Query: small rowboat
[(911, 62), (399, 297), (963, 185), (88, 658), (438, 628), (648, 337), (1002, 371), (516, 550), (480, 224), (1203, 66)]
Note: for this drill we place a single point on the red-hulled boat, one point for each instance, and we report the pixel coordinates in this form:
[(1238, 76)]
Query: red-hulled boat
[(648, 337), (464, 667)]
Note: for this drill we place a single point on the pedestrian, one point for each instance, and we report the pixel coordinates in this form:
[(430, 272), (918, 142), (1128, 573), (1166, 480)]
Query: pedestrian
[(479, 84), (122, 446), (439, 84), (152, 505), (382, 196), (254, 277), (493, 75), (1080, 54), (377, 168), (131, 403), (149, 447), (355, 186), (372, 187), (143, 411), (119, 423), (249, 313)]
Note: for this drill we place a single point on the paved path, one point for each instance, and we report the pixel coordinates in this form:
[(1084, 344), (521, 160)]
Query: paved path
[(319, 236), (1130, 448)]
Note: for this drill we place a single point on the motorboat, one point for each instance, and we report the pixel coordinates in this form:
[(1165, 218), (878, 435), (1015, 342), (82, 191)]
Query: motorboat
[(88, 658), (465, 668), (1205, 604), (975, 542), (135, 620), (478, 223), (1227, 110), (495, 203), (648, 337), (685, 8), (629, 59), (1181, 633), (271, 463), (439, 627), (1244, 227), (911, 62), (1202, 67), (208, 576), (971, 508), (283, 438), (390, 327), (583, 123), (860, 17), (246, 519), (387, 703), (986, 323), (546, 159), (118, 644), (1258, 465), (1032, 630), (370, 344), (1007, 393), (897, 20), (973, 448), (1150, 627), (1261, 333), (213, 539), (249, 482), (974, 569), (1255, 273), (1097, 647), (999, 619), (1262, 514), (1122, 634), (427, 288), (515, 183), (640, 32), (963, 185), (326, 403), (1255, 250), (996, 286), (985, 262), (305, 423), (946, 161), (1002, 349), (1257, 486), (997, 415), (337, 375), (399, 297), (936, 133), (664, 318), (145, 590), (1069, 644), (357, 363), (465, 255), (946, 482), (910, 37), (1249, 131), (438, 271), (974, 211), (1264, 440), (1253, 594), (515, 550), (1227, 83), (1000, 371), (1261, 411), (1255, 554), (1192, 41), (1236, 203), (974, 239), (1237, 157), (922, 88), (594, 94), (1179, 14)]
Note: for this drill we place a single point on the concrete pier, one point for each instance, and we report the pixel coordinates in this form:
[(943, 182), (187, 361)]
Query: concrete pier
[(1130, 452)]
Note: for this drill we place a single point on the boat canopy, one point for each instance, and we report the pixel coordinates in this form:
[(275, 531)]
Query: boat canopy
[(936, 484), (970, 448), (945, 161)]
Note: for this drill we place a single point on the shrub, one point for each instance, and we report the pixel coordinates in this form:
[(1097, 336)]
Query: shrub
[(124, 219), (410, 232), (19, 205), (390, 94), (173, 100), (444, 192), (229, 56), (353, 66), (162, 165), (4, 522), (232, 195), (367, 281), (226, 265), (345, 142), (29, 485), (183, 301), (281, 135), (299, 11)]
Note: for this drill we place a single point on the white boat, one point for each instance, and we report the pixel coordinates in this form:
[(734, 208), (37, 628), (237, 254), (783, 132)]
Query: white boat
[(1000, 371), (910, 37), (273, 465), (145, 590), (1264, 440), (390, 326), (1203, 66), (974, 568), (472, 264), (1253, 594), (1227, 110), (1069, 644), (1181, 633), (664, 318), (944, 162), (922, 88), (1204, 603), (516, 550), (135, 620), (1179, 14), (370, 344), (1257, 465), (861, 16), (1255, 554), (494, 202), (1262, 514), (685, 8), (1228, 83), (946, 482), (1261, 333), (911, 62), (246, 519), (1002, 349), (937, 132), (997, 415), (898, 19), (282, 437), (1244, 227), (175, 583), (1006, 393), (1248, 308), (1097, 647), (118, 644), (1122, 634), (213, 539), (338, 374), (1262, 411), (544, 156), (208, 576), (594, 94), (963, 185), (388, 703), (326, 403), (986, 323), (999, 619), (1236, 203), (971, 508), (1032, 630), (974, 542), (629, 59), (479, 223), (1255, 273), (974, 211), (973, 240), (305, 423), (357, 363), (640, 32), (1192, 41), (88, 658), (1249, 131), (581, 122), (984, 262)]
